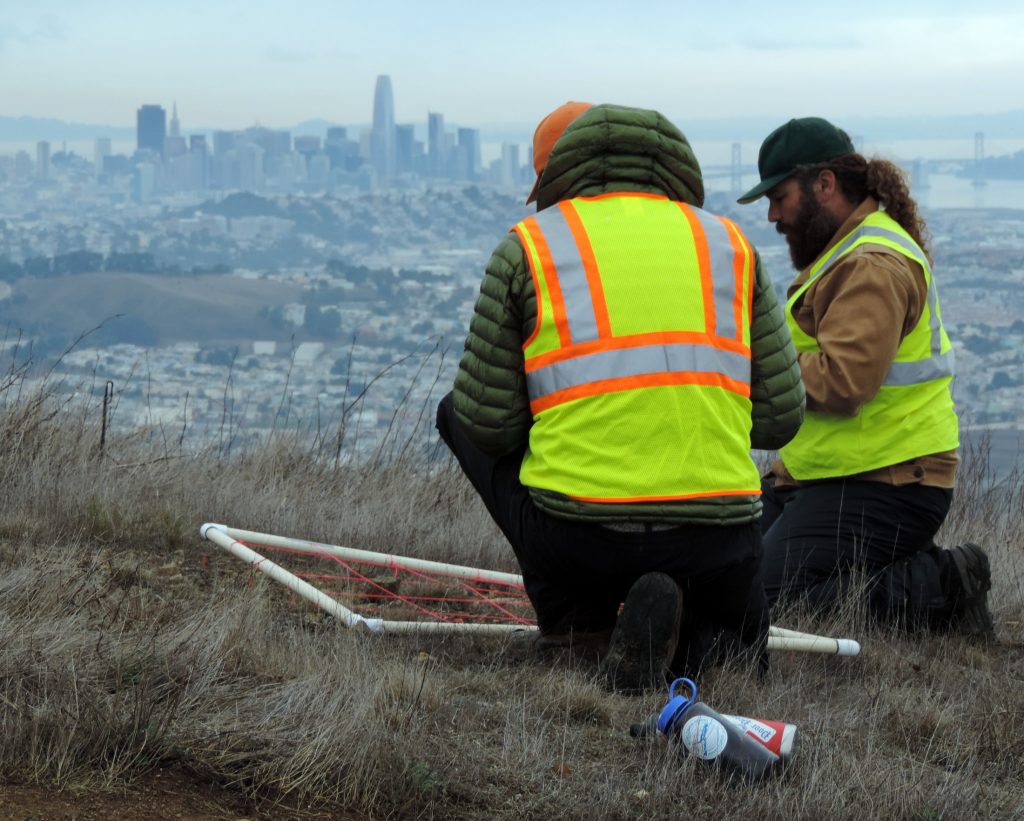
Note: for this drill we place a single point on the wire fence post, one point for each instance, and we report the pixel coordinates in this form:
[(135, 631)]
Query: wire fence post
[(108, 394)]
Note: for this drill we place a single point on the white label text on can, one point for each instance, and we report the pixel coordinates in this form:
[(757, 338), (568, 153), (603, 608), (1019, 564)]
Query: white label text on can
[(764, 732)]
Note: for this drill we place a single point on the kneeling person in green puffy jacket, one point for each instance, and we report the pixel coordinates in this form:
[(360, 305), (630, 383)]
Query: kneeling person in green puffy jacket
[(625, 355)]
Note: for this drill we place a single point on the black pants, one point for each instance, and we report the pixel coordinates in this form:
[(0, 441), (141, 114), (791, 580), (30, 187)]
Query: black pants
[(819, 539), (577, 574)]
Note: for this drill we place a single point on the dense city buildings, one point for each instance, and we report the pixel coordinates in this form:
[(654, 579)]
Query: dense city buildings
[(300, 269), (170, 159)]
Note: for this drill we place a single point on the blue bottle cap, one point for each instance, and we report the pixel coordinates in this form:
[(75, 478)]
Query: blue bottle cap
[(677, 705)]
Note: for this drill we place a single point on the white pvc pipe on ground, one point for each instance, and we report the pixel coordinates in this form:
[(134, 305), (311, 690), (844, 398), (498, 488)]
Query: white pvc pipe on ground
[(814, 644), (454, 570), (782, 631), (216, 534), (780, 638), (230, 539)]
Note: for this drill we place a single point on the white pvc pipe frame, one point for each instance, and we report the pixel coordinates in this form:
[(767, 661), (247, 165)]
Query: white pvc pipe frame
[(231, 539)]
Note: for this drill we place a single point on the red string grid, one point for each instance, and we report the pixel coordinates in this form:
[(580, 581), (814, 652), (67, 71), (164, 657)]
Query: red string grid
[(390, 591)]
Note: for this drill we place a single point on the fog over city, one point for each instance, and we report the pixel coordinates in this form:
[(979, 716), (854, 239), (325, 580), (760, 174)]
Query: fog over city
[(247, 207)]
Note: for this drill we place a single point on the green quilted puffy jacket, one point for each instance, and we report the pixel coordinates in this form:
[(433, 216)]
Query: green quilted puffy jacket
[(612, 148)]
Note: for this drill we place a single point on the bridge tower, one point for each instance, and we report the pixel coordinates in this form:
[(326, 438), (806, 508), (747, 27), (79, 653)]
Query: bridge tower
[(979, 157), (736, 170)]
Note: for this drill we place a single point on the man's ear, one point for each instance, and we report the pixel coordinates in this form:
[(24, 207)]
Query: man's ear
[(826, 186)]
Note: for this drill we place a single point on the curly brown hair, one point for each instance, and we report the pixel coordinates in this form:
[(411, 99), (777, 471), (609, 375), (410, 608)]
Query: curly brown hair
[(859, 178)]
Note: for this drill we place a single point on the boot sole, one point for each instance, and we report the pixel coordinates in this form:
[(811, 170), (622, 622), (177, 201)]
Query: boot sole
[(975, 572), (645, 635)]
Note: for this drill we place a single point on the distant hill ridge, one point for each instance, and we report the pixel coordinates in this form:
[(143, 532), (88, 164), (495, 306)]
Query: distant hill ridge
[(46, 128), (1009, 124)]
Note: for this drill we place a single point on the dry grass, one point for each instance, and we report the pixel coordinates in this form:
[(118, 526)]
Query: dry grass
[(125, 649)]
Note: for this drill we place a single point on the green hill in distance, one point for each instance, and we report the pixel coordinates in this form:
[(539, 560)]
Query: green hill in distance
[(208, 309)]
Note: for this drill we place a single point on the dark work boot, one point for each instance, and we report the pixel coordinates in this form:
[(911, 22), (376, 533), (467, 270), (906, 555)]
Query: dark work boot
[(645, 635), (972, 581)]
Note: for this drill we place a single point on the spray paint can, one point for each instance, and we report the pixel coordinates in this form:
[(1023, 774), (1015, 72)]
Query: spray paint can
[(718, 739), (780, 737)]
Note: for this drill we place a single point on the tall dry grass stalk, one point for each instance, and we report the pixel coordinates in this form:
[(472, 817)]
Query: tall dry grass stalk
[(129, 645)]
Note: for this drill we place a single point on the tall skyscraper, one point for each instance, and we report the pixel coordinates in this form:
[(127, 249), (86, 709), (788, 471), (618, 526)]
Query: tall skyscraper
[(198, 163), (43, 160), (151, 128), (436, 148), (469, 153), (175, 130), (382, 135), (405, 147)]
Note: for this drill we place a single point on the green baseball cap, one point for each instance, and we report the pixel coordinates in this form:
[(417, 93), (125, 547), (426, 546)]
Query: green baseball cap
[(804, 141)]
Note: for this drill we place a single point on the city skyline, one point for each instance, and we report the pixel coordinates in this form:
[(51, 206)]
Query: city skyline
[(94, 62), (165, 161), (163, 157)]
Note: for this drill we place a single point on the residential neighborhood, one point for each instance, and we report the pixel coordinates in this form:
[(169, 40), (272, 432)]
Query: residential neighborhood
[(232, 313)]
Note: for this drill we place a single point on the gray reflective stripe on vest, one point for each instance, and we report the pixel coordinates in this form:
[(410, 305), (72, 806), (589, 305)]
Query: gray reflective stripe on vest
[(625, 362), (938, 366), (721, 256), (901, 374), (873, 231), (572, 276)]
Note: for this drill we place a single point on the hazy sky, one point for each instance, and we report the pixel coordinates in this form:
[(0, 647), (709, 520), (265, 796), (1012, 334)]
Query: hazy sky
[(231, 64)]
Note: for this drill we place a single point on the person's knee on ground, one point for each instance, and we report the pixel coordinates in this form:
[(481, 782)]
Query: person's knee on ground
[(646, 633)]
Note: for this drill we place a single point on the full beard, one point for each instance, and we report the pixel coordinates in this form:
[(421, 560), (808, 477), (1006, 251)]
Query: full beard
[(809, 232)]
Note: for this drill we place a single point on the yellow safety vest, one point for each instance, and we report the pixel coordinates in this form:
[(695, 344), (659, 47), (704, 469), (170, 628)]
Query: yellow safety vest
[(638, 369), (912, 414)]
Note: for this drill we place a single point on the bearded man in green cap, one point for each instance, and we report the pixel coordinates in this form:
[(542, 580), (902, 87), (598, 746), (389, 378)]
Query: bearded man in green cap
[(868, 480)]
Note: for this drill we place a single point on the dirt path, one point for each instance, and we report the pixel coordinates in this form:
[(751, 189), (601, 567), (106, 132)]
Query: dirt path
[(156, 796)]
